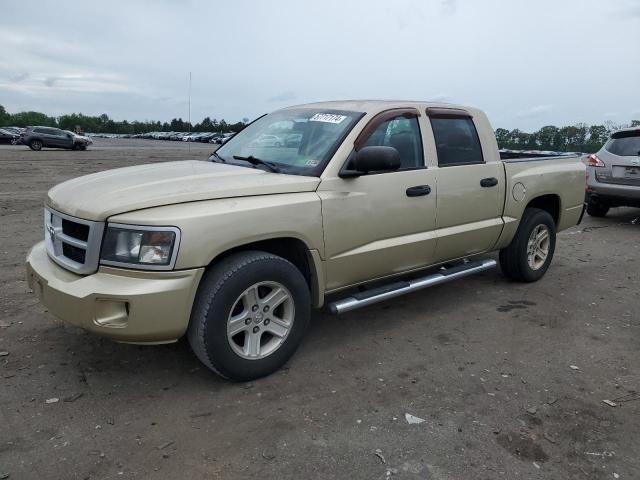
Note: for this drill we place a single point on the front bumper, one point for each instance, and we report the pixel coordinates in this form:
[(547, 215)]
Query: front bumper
[(125, 305)]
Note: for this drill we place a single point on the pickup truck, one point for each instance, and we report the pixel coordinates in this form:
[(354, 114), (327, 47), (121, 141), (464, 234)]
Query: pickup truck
[(368, 201)]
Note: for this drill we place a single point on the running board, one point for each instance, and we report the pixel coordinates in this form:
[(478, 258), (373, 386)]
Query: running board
[(396, 289)]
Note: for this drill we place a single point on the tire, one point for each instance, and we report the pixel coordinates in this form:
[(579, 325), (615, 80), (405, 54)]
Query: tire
[(14, 141), (597, 209), (75, 147), (35, 145), (83, 147), (223, 294), (521, 261)]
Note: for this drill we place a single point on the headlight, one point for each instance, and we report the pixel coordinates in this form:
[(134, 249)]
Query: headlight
[(147, 248)]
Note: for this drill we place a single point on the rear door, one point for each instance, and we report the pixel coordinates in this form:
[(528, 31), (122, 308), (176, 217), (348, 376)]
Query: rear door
[(470, 187), (44, 135)]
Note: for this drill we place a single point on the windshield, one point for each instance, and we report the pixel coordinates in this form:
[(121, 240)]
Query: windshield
[(296, 141)]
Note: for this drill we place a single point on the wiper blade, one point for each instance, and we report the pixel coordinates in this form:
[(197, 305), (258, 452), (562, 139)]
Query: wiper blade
[(257, 161)]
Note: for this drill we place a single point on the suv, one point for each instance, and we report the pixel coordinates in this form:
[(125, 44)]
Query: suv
[(38, 137), (613, 174)]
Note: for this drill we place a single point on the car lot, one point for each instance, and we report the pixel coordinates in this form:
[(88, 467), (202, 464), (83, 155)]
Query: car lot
[(486, 363)]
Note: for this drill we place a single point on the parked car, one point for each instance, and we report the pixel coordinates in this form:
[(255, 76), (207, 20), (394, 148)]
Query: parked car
[(293, 140), (613, 174), (7, 136), (226, 137), (380, 199), (267, 140), (14, 130), (205, 137), (216, 138), (38, 137)]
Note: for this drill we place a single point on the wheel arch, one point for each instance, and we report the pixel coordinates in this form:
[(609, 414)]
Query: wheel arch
[(296, 251), (550, 203)]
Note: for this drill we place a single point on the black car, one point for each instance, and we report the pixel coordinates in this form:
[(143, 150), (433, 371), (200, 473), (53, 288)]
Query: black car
[(7, 136), (38, 137)]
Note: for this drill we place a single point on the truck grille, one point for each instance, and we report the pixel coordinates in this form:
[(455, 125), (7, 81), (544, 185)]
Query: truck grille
[(73, 243)]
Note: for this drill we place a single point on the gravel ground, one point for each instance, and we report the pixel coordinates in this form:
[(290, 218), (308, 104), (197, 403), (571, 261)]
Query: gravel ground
[(509, 378)]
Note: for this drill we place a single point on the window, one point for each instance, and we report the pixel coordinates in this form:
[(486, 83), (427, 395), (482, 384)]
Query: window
[(403, 134), (457, 141), (624, 144)]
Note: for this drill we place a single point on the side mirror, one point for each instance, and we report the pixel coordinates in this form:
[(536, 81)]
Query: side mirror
[(372, 159), (69, 135)]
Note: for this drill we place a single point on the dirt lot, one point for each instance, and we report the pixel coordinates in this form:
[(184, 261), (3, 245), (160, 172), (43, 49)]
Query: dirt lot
[(509, 378)]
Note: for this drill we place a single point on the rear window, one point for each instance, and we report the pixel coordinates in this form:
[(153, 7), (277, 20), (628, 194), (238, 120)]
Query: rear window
[(624, 144), (457, 141)]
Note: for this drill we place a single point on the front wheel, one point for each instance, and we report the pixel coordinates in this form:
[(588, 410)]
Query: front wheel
[(35, 145), (529, 255), (250, 314)]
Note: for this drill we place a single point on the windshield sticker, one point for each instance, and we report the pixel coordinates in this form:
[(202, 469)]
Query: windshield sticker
[(327, 118), (312, 163)]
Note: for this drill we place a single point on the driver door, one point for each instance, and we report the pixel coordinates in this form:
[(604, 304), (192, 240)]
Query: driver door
[(379, 224)]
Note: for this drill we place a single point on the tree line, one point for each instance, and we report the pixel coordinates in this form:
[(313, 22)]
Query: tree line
[(575, 138), (104, 124)]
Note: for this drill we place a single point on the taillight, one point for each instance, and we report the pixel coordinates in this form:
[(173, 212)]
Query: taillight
[(594, 161)]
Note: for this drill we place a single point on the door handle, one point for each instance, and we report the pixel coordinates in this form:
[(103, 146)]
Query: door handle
[(489, 182), (418, 191)]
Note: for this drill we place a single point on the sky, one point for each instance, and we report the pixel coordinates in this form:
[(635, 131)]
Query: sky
[(526, 63)]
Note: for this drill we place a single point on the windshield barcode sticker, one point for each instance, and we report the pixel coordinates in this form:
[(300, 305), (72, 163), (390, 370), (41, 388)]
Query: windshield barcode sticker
[(327, 118)]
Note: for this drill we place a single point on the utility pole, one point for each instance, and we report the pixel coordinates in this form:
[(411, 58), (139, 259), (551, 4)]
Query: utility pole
[(189, 111)]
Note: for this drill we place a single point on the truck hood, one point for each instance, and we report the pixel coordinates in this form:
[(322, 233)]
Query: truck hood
[(101, 195)]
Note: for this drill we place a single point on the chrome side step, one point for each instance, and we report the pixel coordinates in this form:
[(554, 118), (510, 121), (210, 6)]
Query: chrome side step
[(396, 289)]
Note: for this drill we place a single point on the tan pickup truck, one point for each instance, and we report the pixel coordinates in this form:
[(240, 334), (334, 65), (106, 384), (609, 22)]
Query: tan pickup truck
[(341, 204)]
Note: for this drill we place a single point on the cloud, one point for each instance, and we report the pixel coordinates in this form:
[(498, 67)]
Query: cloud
[(130, 69), (631, 8), (535, 111), (448, 7), (69, 83), (19, 77), (440, 97), (284, 97)]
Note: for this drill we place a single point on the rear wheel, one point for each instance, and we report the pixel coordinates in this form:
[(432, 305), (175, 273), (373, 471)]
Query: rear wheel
[(597, 209), (35, 145), (250, 314), (529, 255)]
